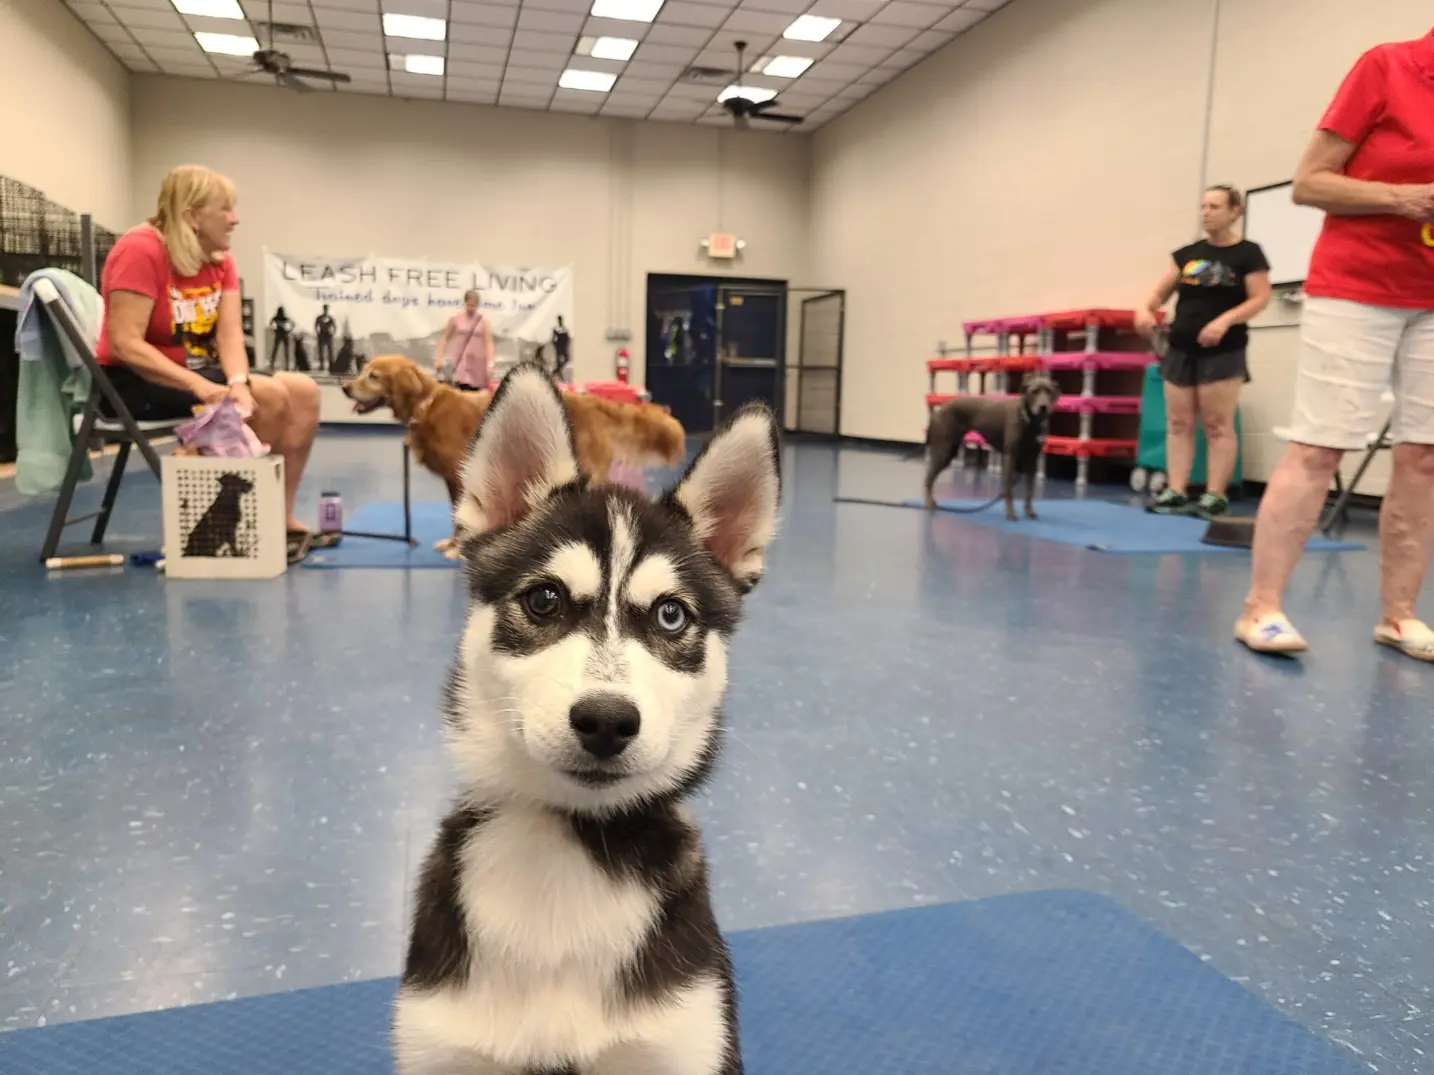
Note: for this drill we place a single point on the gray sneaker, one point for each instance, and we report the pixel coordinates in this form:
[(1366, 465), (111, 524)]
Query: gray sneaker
[(1169, 502), (1212, 506)]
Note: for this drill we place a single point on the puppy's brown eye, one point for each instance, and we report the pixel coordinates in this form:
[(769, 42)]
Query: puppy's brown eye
[(544, 601)]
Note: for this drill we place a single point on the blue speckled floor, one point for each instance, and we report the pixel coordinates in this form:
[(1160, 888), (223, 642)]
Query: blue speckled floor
[(219, 789)]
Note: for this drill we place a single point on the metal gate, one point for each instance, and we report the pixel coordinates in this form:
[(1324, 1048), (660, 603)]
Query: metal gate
[(819, 358)]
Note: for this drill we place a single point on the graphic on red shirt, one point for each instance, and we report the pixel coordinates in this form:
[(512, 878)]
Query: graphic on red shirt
[(184, 322), (194, 315), (1385, 107)]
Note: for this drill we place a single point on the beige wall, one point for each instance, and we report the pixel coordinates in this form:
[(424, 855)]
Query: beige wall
[(66, 101), (1051, 158), (335, 173)]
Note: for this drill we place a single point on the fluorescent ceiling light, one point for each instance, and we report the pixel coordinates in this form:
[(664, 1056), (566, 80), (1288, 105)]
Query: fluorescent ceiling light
[(786, 66), (596, 81), (417, 65), (628, 10), (755, 94), (613, 48), (811, 28), (227, 44), (419, 27), (210, 9)]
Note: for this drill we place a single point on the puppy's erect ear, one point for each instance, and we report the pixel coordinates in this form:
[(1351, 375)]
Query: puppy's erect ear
[(733, 489), (523, 450)]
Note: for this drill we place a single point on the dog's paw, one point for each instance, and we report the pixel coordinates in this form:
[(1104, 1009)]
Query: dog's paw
[(444, 545), (1010, 516), (1031, 514), (452, 553), (930, 503)]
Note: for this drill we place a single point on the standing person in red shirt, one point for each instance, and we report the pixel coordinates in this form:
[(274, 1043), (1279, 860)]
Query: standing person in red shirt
[(173, 333), (1368, 325)]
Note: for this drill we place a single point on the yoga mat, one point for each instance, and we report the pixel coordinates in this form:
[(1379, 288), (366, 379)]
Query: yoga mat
[(1098, 525), (432, 521), (1041, 983)]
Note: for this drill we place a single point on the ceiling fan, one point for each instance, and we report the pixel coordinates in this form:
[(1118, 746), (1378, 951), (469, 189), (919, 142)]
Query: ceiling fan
[(272, 61), (744, 109)]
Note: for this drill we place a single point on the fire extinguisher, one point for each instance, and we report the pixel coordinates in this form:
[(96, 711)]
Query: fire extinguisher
[(624, 360)]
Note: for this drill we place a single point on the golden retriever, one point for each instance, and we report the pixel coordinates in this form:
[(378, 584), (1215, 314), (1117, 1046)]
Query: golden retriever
[(441, 422)]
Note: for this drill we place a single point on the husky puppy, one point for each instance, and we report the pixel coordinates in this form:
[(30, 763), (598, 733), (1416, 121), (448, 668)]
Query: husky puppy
[(562, 923)]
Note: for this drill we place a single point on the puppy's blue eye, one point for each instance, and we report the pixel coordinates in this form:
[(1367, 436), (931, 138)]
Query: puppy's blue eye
[(671, 616), (543, 601)]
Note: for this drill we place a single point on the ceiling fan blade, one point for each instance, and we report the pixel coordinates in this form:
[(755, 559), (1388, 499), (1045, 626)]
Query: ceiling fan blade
[(287, 78), (741, 122), (308, 72), (778, 117)]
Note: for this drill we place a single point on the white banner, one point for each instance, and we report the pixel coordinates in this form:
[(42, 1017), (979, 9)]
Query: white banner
[(399, 306)]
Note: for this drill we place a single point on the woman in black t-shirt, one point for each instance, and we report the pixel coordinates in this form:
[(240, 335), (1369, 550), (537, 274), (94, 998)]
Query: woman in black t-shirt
[(1222, 281)]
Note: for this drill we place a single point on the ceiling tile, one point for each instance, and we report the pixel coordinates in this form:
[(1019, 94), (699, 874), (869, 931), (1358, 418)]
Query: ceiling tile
[(692, 13), (164, 56), (564, 22), (649, 52), (365, 84), (465, 57), (433, 9), (863, 56), (284, 11), (678, 109), (523, 97), (113, 34), (693, 91), (138, 16), (666, 72), (580, 7), (348, 20), (757, 22), (491, 36), (585, 102), (415, 85), (905, 13), (352, 39), (171, 39), (471, 95), (357, 59), (692, 36), (92, 13), (931, 40), (543, 41), (790, 8), (483, 15), (873, 35), (856, 10), (626, 109), (632, 85), (531, 77), (960, 20), (986, 5)]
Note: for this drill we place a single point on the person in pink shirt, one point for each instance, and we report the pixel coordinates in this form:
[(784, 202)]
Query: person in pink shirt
[(467, 346)]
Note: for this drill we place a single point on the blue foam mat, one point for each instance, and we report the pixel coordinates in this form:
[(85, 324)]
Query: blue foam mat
[(432, 521), (1042, 983), (1099, 525)]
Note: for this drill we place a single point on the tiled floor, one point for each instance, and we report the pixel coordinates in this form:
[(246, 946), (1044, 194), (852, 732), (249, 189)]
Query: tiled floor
[(215, 789)]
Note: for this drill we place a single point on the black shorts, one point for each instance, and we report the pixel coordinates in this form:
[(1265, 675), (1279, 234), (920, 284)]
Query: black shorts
[(1188, 371), (150, 402)]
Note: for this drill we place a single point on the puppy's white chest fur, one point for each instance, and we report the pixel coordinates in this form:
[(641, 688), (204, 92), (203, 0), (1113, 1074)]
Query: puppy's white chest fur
[(550, 934)]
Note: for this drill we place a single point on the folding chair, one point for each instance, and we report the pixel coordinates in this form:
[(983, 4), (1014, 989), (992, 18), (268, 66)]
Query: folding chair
[(122, 428)]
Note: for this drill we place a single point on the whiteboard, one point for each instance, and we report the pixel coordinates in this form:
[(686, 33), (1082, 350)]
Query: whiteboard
[(1284, 230)]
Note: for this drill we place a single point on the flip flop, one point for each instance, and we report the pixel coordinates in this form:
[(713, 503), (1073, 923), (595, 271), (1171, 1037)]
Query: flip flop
[(299, 544), (1271, 633), (1413, 638)]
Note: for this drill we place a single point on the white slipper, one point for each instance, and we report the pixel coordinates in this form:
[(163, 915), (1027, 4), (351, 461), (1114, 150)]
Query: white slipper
[(1413, 638), (1271, 633)]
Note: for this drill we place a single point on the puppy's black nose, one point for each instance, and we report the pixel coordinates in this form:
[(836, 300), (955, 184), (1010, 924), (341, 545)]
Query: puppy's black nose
[(605, 724)]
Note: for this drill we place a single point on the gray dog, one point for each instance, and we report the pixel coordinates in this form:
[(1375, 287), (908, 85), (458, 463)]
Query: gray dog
[(1014, 427)]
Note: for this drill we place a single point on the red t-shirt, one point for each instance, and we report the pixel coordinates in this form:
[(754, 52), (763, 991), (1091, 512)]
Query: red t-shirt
[(1386, 108), (186, 308)]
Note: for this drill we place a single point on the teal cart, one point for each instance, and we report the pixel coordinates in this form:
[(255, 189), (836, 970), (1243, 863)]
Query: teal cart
[(1149, 473)]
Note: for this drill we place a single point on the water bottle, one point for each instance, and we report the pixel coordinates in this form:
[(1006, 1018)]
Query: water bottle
[(331, 513)]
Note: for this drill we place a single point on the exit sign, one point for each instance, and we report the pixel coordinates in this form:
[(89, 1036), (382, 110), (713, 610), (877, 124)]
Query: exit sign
[(721, 245)]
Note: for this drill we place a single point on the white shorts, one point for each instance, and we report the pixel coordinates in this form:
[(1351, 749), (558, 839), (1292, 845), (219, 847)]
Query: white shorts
[(1349, 354)]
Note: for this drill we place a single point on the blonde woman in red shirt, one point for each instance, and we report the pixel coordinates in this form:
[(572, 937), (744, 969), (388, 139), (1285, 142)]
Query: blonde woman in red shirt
[(1367, 325), (173, 332)]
